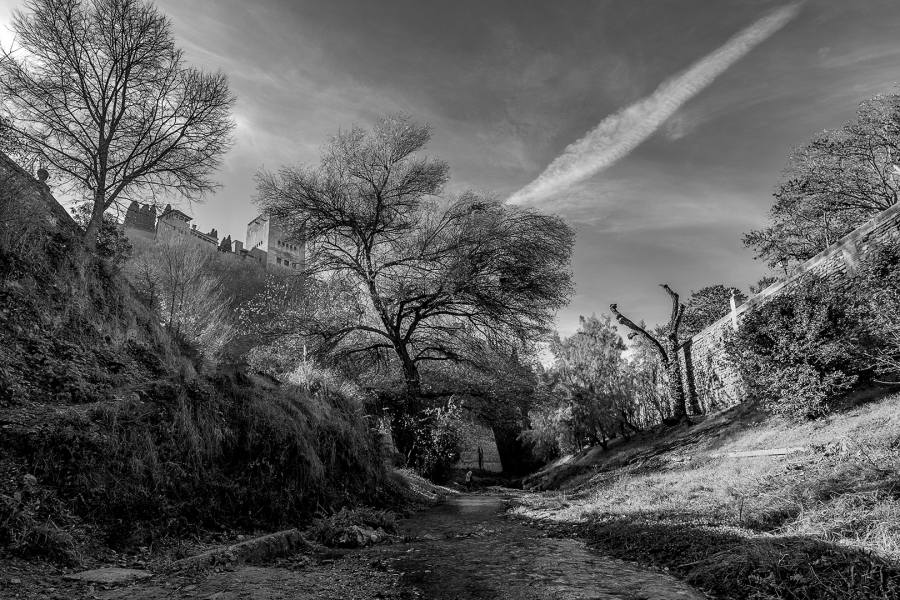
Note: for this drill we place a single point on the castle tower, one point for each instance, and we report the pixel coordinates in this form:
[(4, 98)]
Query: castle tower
[(274, 245), (140, 221)]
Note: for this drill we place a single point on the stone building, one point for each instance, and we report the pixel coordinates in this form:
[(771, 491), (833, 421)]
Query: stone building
[(281, 248), (267, 242)]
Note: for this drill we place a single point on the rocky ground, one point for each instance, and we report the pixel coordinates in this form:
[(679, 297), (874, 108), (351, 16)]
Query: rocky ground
[(462, 548)]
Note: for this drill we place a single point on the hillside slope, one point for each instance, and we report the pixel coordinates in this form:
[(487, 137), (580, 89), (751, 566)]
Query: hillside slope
[(112, 433), (821, 522)]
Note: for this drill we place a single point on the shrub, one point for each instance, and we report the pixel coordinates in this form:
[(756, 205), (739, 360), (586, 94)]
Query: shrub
[(235, 451), (802, 349), (436, 441)]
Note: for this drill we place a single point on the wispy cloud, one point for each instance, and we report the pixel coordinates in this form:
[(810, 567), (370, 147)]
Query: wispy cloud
[(621, 132)]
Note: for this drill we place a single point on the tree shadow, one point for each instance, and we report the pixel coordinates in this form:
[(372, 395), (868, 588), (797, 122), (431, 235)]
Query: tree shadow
[(736, 564)]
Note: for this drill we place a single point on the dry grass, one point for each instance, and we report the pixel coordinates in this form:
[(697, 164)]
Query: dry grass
[(820, 524)]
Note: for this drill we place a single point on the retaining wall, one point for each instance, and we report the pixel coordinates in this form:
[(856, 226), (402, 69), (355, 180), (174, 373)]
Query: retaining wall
[(717, 383)]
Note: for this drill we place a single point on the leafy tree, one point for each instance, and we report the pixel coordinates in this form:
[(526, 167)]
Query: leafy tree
[(875, 289), (801, 349), (425, 274), (833, 184), (763, 282), (705, 307), (667, 344), (647, 378), (98, 91), (590, 371)]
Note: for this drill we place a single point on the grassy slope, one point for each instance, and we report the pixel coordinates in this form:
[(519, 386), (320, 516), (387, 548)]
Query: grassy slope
[(824, 523)]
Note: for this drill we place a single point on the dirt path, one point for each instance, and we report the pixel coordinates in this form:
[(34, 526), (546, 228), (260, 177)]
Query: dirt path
[(461, 549)]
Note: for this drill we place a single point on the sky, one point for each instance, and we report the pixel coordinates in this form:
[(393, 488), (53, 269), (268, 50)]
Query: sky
[(657, 129)]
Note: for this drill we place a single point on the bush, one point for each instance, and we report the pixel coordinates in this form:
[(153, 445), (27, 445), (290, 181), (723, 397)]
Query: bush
[(436, 441), (233, 451), (803, 349)]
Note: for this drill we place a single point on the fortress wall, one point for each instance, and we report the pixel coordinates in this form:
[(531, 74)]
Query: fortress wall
[(717, 383), (24, 197)]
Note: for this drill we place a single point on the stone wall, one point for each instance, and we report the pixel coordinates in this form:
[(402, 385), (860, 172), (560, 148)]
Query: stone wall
[(717, 383), (25, 200)]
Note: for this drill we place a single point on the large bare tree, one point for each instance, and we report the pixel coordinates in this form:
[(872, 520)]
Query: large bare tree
[(98, 92), (427, 274)]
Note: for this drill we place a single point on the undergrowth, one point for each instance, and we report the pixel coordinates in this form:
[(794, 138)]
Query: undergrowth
[(231, 452), (113, 430)]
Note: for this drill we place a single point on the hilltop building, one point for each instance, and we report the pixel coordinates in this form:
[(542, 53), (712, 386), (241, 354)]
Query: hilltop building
[(267, 241)]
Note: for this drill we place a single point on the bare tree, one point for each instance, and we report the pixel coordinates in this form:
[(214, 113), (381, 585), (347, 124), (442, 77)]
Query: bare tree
[(667, 348), (429, 274), (98, 91), (177, 279)]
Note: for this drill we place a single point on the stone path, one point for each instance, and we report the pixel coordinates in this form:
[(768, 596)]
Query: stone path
[(462, 549)]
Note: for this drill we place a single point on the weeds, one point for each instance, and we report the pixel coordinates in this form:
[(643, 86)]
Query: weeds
[(233, 451)]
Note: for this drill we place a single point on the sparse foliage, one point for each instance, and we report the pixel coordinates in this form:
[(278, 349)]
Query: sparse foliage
[(175, 278), (112, 243), (98, 92)]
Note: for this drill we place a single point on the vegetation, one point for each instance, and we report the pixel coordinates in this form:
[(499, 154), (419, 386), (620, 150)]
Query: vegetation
[(421, 279), (796, 351), (110, 435), (808, 347), (705, 307), (816, 524), (833, 184), (98, 90)]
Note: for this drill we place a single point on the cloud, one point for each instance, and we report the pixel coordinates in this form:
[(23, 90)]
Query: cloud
[(617, 135)]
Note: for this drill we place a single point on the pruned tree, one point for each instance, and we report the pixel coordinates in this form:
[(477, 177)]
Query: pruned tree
[(430, 273), (97, 91), (833, 184), (667, 349)]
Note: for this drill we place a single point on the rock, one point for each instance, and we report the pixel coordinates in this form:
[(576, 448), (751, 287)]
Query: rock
[(353, 537), (111, 575)]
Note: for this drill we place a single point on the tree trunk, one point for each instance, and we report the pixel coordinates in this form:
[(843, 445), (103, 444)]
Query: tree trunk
[(514, 456), (676, 386), (92, 231), (689, 380), (410, 373)]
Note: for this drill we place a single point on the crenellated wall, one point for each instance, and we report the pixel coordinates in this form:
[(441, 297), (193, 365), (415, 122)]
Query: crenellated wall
[(717, 383)]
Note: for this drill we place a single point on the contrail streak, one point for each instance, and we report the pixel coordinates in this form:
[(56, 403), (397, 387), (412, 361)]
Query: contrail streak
[(621, 132)]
